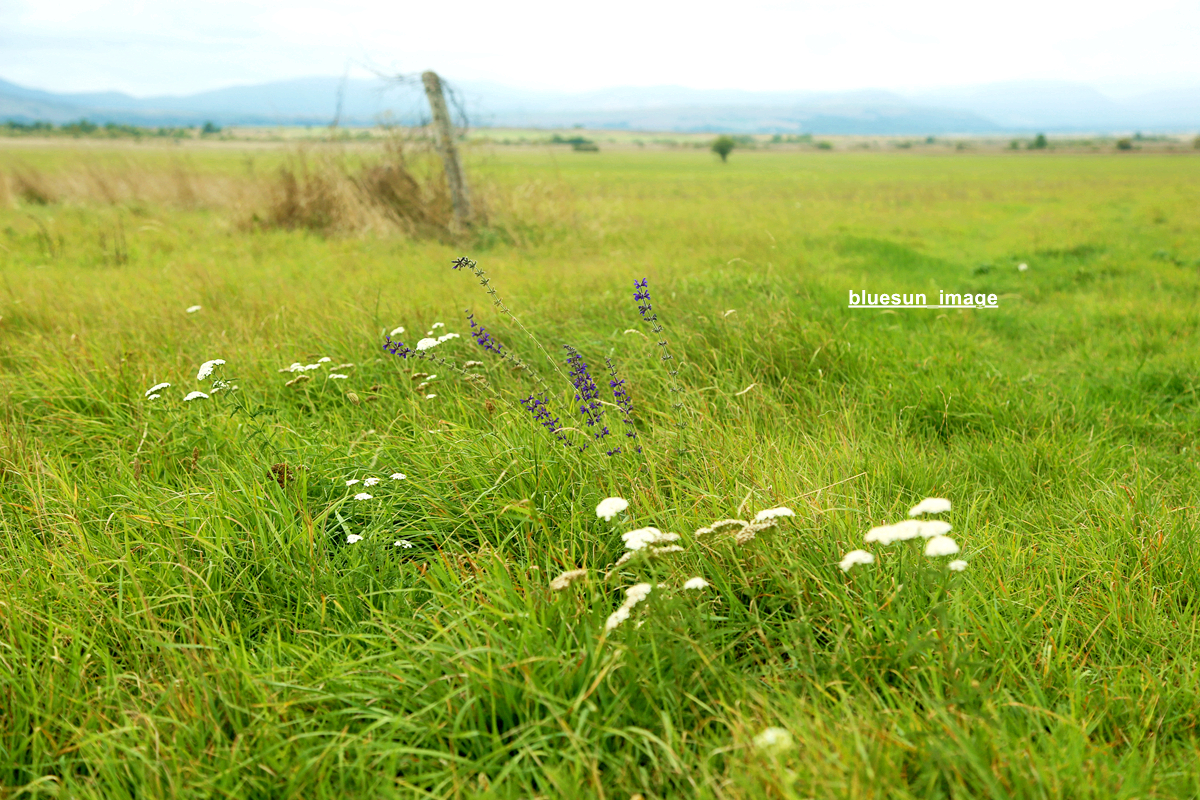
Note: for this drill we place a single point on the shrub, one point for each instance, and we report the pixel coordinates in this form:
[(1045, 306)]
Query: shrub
[(824, 145), (1039, 142), (1196, 142), (1125, 144), (723, 146)]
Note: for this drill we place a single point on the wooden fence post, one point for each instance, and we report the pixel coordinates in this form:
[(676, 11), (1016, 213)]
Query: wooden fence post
[(444, 137)]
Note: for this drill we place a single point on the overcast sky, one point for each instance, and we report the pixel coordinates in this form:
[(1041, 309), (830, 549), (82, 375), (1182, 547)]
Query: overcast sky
[(148, 47)]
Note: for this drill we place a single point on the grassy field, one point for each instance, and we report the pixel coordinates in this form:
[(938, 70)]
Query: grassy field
[(186, 609)]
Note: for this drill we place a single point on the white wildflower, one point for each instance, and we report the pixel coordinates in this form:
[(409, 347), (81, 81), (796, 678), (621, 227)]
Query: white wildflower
[(567, 578), (722, 523), (1022, 267), (397, 331), (362, 496), (445, 337), (336, 376), (695, 583), (430, 396), (398, 476), (637, 593), (309, 367), (295, 367), (930, 505), (370, 481), (470, 364), (957, 565), (773, 739), (301, 378), (662, 551), (352, 481), (941, 546), (616, 618), (195, 396), (438, 325), (609, 507), (730, 311), (351, 538), (899, 532), (773, 513), (193, 309), (427, 343), (855, 557), (405, 543), (206, 369), (933, 527), (324, 360), (347, 365), (154, 397), (636, 540), (157, 388)]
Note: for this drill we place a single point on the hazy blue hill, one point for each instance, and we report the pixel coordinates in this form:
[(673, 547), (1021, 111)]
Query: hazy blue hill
[(996, 108)]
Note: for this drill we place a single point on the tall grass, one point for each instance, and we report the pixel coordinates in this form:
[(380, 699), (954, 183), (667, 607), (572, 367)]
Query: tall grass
[(176, 618)]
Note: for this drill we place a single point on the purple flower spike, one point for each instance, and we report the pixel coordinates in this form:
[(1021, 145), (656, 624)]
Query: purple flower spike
[(541, 414), (586, 393), (483, 338), (396, 348)]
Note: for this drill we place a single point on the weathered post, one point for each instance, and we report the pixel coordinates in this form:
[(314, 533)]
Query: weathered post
[(444, 137)]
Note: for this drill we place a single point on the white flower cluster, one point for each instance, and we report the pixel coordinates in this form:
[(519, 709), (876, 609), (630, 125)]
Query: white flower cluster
[(609, 507), (636, 540), (934, 531), (633, 595), (431, 341), (206, 369), (373, 481), (746, 531)]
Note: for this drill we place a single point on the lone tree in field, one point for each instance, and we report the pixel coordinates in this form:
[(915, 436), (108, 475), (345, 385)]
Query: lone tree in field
[(723, 146)]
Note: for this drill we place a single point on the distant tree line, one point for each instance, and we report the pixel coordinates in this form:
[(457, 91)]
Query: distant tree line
[(109, 130)]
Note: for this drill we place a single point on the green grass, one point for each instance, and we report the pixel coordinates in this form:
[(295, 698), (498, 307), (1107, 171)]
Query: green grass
[(174, 622)]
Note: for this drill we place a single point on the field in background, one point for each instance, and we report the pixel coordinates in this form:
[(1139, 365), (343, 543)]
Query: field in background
[(181, 614)]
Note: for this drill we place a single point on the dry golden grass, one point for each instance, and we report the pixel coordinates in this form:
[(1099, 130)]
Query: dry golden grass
[(396, 189)]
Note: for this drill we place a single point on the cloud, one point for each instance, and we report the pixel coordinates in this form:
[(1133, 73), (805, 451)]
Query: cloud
[(172, 46)]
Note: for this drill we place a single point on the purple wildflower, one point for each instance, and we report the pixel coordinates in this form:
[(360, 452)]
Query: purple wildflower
[(641, 293), (397, 348), (625, 403), (586, 393), (483, 338), (541, 414)]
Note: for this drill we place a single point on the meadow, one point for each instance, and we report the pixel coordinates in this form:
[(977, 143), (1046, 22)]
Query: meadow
[(193, 603)]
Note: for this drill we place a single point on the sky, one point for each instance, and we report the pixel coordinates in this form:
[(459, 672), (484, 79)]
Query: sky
[(183, 46)]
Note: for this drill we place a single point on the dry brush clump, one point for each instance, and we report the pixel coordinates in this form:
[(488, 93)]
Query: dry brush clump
[(400, 189)]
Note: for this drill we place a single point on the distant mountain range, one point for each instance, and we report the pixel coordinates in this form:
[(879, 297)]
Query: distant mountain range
[(992, 109)]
